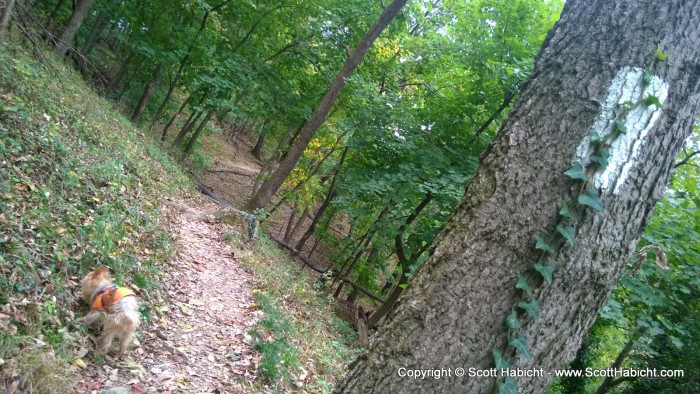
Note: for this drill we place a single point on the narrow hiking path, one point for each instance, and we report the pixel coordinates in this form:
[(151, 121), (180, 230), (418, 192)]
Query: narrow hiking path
[(197, 338)]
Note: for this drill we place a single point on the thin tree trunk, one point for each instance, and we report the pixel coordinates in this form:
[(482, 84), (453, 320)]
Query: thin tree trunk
[(183, 63), (299, 225), (270, 187), (257, 149), (147, 94), (71, 28), (7, 14), (196, 134), (187, 127), (95, 32), (609, 382), (453, 315), (290, 223), (326, 202), (170, 122), (404, 261)]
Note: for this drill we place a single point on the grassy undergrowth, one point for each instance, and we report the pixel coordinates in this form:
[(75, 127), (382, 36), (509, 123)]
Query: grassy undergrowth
[(304, 345), (79, 188)]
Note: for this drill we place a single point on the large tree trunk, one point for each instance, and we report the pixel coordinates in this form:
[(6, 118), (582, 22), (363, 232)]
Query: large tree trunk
[(271, 185), (71, 28), (452, 315)]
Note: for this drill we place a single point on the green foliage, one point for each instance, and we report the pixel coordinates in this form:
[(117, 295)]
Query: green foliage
[(508, 386), (591, 199), (546, 271), (522, 284), (568, 232), (532, 308), (520, 344), (501, 361), (577, 171), (543, 245), (512, 320)]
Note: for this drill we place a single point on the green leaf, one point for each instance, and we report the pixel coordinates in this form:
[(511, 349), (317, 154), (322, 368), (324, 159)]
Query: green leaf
[(566, 212), (577, 171), (542, 245), (522, 284), (653, 100), (660, 55), (501, 361), (591, 199), (601, 158), (567, 232), (546, 271), (512, 319), (520, 344), (646, 77), (532, 308), (620, 126), (508, 386), (595, 138)]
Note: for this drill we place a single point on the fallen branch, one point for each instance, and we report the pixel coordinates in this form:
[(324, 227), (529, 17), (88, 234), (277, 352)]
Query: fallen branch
[(360, 289), (302, 258), (252, 220), (236, 171)]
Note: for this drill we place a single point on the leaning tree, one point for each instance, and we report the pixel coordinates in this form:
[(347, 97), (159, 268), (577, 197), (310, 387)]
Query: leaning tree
[(556, 207)]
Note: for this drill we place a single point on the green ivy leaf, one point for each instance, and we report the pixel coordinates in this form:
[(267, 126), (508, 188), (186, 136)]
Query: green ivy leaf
[(646, 77), (512, 319), (620, 126), (577, 171), (501, 361), (660, 55), (522, 284), (542, 245), (595, 138), (591, 199), (546, 271), (532, 308), (601, 158), (653, 100), (566, 212), (520, 344), (567, 232), (508, 386)]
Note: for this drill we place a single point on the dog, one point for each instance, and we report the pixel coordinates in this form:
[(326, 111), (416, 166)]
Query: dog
[(119, 305)]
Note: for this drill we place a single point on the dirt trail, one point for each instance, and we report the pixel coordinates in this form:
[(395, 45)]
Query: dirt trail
[(196, 341)]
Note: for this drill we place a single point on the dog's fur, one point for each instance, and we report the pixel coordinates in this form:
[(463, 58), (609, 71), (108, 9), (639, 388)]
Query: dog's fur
[(121, 319)]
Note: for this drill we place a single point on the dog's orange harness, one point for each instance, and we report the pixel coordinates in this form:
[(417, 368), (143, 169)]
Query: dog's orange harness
[(109, 296)]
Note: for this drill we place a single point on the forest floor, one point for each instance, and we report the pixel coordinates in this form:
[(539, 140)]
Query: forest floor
[(199, 340)]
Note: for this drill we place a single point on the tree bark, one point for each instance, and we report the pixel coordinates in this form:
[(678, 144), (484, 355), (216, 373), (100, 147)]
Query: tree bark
[(257, 149), (452, 315), (71, 28), (196, 134), (7, 14), (147, 94), (271, 185), (164, 134)]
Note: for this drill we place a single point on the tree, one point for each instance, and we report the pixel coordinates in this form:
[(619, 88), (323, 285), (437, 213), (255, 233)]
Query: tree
[(270, 186), (555, 208), (71, 28)]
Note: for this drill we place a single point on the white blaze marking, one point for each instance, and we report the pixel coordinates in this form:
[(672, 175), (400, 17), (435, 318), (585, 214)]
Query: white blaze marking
[(624, 150)]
